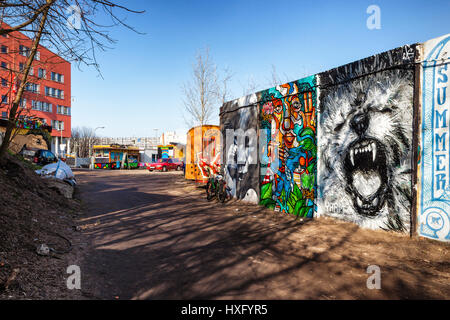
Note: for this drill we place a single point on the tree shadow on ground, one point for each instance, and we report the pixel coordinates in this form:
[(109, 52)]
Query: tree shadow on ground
[(153, 244)]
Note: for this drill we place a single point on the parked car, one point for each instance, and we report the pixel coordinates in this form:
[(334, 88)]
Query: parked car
[(179, 163), (44, 157), (166, 165)]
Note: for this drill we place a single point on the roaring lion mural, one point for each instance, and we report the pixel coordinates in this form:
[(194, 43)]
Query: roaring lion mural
[(366, 149)]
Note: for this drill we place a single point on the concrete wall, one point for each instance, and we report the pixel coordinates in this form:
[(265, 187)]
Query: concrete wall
[(367, 142), (434, 160), (149, 155), (288, 147), (238, 126), (203, 152)]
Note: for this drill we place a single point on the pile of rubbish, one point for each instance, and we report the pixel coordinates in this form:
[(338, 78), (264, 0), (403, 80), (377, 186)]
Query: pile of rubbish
[(60, 177)]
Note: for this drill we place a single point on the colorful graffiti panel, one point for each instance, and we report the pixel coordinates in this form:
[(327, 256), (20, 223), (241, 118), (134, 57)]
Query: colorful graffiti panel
[(102, 166), (434, 186), (365, 141), (288, 147), (203, 152)]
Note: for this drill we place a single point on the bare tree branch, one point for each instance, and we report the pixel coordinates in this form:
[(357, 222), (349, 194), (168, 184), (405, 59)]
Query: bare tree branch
[(82, 140), (48, 23), (202, 94)]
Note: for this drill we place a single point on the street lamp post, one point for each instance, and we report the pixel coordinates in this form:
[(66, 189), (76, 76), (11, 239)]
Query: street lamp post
[(61, 150), (156, 136)]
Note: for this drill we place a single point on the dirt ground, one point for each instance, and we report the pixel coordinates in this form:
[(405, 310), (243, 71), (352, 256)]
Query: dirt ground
[(155, 236), (32, 213)]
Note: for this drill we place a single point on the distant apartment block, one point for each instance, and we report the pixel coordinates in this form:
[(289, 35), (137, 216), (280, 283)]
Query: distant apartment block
[(143, 143)]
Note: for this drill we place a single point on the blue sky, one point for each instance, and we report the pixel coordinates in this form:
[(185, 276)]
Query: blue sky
[(142, 76)]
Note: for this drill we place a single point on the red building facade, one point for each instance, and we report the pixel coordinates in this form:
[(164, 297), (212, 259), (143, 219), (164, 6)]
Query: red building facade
[(48, 90)]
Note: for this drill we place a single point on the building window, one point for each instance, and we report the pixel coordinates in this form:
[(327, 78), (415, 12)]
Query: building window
[(63, 110), (22, 67), (4, 65), (56, 93), (36, 105), (4, 82), (41, 73), (41, 106), (58, 125), (23, 103), (4, 98), (4, 115), (57, 77), (4, 49), (32, 87), (46, 107), (24, 51)]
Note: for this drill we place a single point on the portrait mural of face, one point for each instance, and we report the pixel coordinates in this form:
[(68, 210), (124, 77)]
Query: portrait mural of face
[(239, 131), (288, 148), (366, 147)]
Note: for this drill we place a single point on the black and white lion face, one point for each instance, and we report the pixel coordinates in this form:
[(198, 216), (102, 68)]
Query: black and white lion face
[(366, 151)]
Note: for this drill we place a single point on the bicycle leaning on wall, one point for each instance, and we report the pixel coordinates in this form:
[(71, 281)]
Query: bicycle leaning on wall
[(217, 187)]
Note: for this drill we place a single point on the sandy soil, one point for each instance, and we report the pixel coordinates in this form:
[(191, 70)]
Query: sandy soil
[(155, 236)]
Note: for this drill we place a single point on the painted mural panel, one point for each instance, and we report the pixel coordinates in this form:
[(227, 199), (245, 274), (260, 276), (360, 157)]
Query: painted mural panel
[(365, 140), (240, 147), (203, 152), (434, 186), (288, 147)]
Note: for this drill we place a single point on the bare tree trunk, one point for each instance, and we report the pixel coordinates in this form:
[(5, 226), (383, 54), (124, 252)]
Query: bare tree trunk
[(12, 114)]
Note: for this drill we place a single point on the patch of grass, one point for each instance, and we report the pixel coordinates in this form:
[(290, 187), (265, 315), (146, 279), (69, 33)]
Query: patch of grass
[(27, 163)]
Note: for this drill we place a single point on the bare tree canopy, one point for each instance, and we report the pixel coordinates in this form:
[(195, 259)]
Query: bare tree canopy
[(74, 30), (276, 80), (206, 91), (250, 87), (83, 138)]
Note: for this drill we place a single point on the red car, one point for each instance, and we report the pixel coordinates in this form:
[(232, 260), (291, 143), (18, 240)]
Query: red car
[(166, 165)]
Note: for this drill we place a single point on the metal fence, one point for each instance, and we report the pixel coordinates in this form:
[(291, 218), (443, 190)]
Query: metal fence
[(78, 162)]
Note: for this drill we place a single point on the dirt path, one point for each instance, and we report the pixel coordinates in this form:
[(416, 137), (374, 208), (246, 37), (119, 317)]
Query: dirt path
[(154, 236)]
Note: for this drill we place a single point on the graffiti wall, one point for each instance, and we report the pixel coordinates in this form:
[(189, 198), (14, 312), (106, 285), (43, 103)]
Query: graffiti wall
[(434, 160), (238, 124), (354, 143), (288, 147), (165, 152), (365, 140), (203, 150), (114, 157)]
